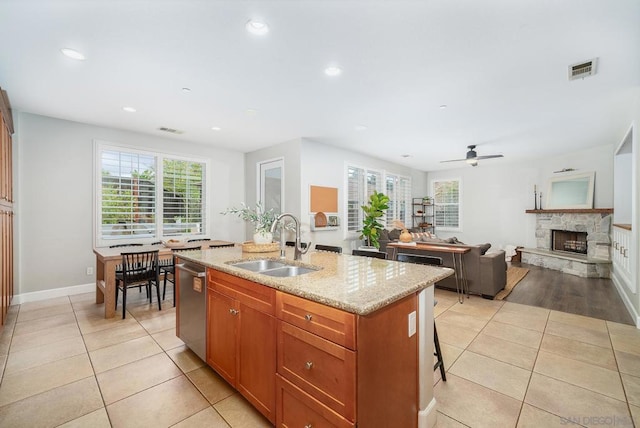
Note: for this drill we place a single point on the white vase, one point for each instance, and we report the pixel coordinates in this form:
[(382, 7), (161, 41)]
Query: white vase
[(262, 237)]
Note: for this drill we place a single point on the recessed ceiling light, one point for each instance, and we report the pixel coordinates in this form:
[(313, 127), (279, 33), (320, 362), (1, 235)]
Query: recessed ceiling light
[(443, 106), (186, 90), (251, 111), (216, 128), (257, 27), (333, 71), (129, 109), (73, 54), (360, 128)]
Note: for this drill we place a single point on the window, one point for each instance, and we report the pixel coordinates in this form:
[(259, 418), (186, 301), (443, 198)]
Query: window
[(360, 185), (361, 182), (447, 205), (399, 193), (144, 197)]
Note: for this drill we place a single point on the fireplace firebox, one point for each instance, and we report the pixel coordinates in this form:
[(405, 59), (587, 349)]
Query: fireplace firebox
[(565, 240)]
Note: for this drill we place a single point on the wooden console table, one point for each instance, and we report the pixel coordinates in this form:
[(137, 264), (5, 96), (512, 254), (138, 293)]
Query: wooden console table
[(462, 287)]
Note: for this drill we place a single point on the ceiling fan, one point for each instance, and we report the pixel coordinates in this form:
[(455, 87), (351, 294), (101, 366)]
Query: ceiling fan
[(472, 157)]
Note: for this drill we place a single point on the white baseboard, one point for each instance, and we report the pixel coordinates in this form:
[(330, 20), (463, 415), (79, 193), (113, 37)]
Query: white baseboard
[(35, 296), (623, 295), (428, 418)]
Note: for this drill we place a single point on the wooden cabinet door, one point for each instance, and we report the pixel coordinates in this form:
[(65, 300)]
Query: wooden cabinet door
[(222, 322), (257, 360)]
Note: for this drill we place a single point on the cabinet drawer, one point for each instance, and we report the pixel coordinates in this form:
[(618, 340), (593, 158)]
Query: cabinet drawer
[(297, 409), (256, 296), (331, 323), (321, 368)]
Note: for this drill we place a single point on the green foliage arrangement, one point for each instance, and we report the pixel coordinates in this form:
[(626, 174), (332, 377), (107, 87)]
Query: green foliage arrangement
[(378, 204), (261, 219)]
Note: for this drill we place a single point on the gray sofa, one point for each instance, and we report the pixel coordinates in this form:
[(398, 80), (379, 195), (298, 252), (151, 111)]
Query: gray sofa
[(486, 273)]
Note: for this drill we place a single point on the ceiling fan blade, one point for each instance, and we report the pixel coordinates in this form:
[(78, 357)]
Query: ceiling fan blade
[(453, 160), (489, 157)]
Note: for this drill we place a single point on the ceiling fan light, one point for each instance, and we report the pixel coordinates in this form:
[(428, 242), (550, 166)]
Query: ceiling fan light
[(472, 161)]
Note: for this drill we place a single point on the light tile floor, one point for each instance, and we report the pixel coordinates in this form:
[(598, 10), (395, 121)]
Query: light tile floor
[(508, 365)]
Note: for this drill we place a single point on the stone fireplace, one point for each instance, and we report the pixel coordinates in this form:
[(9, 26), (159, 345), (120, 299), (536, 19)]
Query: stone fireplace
[(572, 241)]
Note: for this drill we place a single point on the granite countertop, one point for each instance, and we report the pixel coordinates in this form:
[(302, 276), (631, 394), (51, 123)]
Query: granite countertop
[(360, 285)]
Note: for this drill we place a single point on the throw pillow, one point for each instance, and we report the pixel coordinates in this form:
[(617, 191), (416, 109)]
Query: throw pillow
[(484, 248), (394, 235), (384, 235)]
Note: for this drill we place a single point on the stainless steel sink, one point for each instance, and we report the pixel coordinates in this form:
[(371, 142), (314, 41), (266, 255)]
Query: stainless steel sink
[(273, 268), (259, 265), (287, 271)]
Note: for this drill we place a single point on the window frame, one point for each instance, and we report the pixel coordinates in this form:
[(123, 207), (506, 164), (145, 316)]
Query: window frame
[(436, 204), (351, 234), (159, 156)]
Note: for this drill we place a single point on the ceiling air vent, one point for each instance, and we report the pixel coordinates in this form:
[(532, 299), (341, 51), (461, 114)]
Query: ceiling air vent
[(583, 69), (170, 130)]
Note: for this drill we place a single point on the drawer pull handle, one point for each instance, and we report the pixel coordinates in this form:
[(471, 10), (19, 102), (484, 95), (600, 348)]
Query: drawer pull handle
[(308, 317), (308, 365), (234, 311)]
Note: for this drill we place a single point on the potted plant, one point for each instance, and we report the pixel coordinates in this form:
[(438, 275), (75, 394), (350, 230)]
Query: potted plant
[(260, 218), (371, 227)]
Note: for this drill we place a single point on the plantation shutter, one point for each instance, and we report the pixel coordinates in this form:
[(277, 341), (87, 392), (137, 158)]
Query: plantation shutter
[(447, 204), (361, 184), (183, 197), (399, 193), (128, 189)]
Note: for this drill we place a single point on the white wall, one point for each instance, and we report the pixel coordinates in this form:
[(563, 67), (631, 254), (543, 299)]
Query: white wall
[(496, 194), (54, 196), (324, 165)]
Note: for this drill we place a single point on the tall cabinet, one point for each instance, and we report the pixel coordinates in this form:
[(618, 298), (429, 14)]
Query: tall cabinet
[(6, 206)]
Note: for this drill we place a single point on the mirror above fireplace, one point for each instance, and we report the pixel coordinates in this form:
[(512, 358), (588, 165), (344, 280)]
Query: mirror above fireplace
[(571, 191)]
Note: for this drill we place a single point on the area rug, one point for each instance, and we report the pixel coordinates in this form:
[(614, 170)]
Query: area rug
[(514, 276)]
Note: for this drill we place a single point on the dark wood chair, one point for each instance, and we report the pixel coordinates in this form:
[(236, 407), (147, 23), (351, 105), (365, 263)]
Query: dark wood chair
[(365, 253), (434, 261), (199, 240), (138, 269), (119, 267), (303, 245), (170, 269), (333, 249), (126, 245)]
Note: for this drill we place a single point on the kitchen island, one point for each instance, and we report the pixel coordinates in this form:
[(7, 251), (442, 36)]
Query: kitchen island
[(349, 343)]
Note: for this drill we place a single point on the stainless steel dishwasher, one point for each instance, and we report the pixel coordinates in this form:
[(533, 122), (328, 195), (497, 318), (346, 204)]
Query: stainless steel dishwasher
[(192, 304)]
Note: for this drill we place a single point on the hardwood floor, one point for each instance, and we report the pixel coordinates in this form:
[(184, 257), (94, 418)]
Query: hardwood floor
[(551, 289)]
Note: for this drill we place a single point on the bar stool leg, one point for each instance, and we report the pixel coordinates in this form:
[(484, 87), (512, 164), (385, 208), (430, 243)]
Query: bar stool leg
[(438, 353)]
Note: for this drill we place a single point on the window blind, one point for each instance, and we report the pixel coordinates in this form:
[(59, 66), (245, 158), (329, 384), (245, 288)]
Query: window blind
[(360, 185), (399, 192), (183, 197), (128, 192), (143, 196), (447, 204)]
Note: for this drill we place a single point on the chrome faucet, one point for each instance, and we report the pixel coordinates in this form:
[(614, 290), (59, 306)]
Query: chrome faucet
[(298, 250)]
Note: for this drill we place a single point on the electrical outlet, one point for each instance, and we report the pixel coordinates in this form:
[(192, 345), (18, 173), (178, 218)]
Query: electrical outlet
[(89, 271), (412, 323)]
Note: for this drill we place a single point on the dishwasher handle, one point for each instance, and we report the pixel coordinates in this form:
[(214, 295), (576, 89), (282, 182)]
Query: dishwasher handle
[(199, 274)]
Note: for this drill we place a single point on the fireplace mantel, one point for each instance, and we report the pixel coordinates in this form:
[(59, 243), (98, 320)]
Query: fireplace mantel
[(573, 211)]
